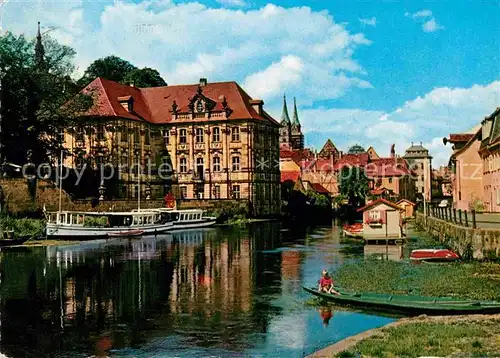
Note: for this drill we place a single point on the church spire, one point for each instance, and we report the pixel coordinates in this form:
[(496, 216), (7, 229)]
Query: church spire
[(39, 50), (285, 118), (295, 113)]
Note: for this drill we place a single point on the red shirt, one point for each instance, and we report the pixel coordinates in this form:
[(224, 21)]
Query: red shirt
[(325, 282)]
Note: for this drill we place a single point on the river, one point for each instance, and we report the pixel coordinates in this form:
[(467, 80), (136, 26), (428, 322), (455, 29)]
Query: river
[(222, 292)]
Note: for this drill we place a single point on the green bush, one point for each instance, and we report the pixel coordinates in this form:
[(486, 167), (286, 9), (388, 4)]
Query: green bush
[(23, 227), (95, 221)]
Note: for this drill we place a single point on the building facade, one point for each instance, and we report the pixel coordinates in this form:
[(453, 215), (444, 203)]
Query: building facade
[(489, 152), (212, 140), (420, 163)]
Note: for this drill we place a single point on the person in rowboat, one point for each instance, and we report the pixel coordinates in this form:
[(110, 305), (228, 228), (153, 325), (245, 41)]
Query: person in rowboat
[(326, 283)]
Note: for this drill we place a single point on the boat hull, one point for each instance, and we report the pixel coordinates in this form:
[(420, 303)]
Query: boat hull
[(66, 231), (410, 304), (353, 234), (438, 255), (185, 225)]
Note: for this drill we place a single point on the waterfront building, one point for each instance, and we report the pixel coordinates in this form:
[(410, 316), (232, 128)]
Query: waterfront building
[(408, 207), (381, 219), (420, 163), (291, 136), (489, 152), (218, 142), (467, 169)]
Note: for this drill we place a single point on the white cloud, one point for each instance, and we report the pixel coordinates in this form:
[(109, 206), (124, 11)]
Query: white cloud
[(235, 3), (271, 81), (419, 14), (425, 119), (431, 26), (370, 22), (186, 41)]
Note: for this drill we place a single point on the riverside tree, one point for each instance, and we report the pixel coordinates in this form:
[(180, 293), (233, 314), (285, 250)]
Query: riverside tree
[(353, 185), (39, 97)]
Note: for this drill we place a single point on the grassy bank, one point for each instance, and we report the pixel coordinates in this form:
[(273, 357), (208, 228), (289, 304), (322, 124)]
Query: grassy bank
[(465, 337), (474, 280), (23, 227)]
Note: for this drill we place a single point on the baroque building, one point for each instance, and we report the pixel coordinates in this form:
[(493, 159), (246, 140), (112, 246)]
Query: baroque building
[(291, 137), (205, 141)]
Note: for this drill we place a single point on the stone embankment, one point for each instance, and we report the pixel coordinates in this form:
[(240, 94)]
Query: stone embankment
[(470, 243)]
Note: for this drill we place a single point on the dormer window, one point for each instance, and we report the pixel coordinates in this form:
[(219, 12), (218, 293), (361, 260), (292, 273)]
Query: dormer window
[(127, 103)]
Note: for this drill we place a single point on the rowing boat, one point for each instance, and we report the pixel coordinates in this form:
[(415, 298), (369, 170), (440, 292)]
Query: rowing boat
[(436, 255), (409, 304)]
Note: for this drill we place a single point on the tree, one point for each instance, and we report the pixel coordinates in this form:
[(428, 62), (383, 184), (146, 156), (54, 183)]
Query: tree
[(144, 77), (119, 70), (36, 93), (112, 68), (353, 184)]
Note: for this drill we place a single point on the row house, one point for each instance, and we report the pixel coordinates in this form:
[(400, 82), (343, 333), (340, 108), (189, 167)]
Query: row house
[(211, 139), (489, 152), (466, 168)]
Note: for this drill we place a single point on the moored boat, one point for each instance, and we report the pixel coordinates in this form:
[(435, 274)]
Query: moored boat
[(354, 230), (409, 304), (188, 219), (435, 255), (104, 224)]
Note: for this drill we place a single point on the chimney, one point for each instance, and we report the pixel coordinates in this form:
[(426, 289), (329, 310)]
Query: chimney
[(257, 105), (203, 82)]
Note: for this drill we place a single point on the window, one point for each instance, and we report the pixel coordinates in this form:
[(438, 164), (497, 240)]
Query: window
[(421, 165), (216, 134), (216, 163), (100, 132), (235, 134), (124, 134), (137, 136), (183, 165), (182, 136), (217, 191), (184, 191), (147, 136), (422, 178), (166, 136), (390, 180), (199, 168), (236, 191), (374, 215), (80, 134), (199, 135), (498, 196), (236, 164)]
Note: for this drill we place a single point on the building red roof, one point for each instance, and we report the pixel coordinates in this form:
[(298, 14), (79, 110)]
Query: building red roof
[(460, 137), (289, 175), (352, 160), (406, 201), (378, 202), (387, 167), (379, 191), (154, 104)]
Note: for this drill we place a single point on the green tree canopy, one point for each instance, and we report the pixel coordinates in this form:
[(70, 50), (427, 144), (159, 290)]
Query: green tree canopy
[(144, 77), (353, 184), (119, 70), (39, 98)]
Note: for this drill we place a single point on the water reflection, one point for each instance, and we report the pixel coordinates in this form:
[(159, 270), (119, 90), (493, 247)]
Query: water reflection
[(208, 292), (382, 252)]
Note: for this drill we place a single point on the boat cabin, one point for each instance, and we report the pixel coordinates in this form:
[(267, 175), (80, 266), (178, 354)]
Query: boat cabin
[(105, 219), (382, 219)]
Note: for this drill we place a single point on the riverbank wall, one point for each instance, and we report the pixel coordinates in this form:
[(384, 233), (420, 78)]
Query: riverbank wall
[(17, 200), (469, 243)]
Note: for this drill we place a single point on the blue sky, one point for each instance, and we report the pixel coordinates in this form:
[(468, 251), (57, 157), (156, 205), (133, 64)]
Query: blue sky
[(366, 72)]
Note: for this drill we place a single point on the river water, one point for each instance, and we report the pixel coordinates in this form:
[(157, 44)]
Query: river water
[(222, 292)]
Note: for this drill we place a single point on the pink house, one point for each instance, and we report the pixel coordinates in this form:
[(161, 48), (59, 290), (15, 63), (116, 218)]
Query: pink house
[(490, 155)]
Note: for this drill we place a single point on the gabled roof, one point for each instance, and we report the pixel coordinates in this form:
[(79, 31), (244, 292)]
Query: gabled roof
[(378, 202), (406, 201), (460, 137), (154, 104), (328, 148), (387, 167), (468, 144)]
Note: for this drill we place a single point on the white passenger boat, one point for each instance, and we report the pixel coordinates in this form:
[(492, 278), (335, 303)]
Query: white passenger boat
[(106, 224), (188, 219)]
